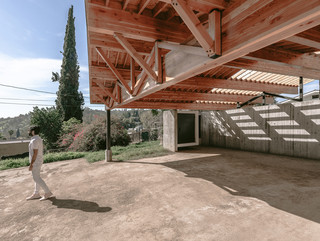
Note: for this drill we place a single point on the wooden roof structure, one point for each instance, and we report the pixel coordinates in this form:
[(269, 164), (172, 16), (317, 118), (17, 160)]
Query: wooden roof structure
[(199, 54)]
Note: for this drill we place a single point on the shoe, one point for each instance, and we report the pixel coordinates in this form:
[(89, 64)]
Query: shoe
[(34, 196), (46, 196)]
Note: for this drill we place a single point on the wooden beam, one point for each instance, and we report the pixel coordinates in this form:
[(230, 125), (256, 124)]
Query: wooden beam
[(158, 8), (205, 6), (195, 26), (128, 47), (196, 96), (125, 4), (108, 42), (143, 5), (241, 9), (158, 62), (215, 30), (304, 41), (204, 82), (106, 91), (132, 74), (286, 57), (182, 106), (271, 67), (105, 20), (101, 99), (114, 70), (143, 75)]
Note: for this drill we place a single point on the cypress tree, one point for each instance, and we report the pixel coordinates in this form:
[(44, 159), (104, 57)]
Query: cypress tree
[(69, 101)]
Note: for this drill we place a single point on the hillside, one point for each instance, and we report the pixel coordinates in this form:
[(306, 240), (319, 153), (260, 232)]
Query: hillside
[(22, 123)]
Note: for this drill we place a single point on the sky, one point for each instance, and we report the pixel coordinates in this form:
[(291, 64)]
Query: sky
[(31, 38)]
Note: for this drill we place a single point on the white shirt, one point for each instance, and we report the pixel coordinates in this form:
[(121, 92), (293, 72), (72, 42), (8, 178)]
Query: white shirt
[(36, 143)]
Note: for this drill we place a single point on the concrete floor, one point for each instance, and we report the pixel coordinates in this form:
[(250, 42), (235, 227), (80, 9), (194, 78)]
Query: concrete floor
[(196, 194)]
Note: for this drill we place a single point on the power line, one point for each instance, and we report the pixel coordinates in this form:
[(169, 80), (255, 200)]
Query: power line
[(40, 91), (10, 103), (22, 99)]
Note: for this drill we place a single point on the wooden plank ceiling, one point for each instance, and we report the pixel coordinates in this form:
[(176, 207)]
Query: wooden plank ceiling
[(199, 54)]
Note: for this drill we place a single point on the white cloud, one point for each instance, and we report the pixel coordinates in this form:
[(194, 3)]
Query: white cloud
[(27, 72), (31, 73)]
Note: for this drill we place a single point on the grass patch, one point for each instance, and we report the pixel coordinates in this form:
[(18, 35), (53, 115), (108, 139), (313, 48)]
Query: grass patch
[(47, 158), (130, 152), (119, 153)]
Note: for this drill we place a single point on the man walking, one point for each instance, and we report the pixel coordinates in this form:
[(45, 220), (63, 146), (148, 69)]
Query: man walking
[(36, 161)]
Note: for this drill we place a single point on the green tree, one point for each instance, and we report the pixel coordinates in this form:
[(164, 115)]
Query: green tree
[(10, 133), (69, 101), (50, 122), (18, 133)]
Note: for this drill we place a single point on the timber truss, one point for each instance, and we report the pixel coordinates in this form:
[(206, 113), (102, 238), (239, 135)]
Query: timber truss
[(199, 54)]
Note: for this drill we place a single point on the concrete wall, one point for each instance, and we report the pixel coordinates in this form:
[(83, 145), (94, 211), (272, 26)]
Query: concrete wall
[(170, 130), (289, 129), (11, 148)]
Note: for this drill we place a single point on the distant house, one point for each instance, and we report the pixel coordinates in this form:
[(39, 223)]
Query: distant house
[(312, 95)]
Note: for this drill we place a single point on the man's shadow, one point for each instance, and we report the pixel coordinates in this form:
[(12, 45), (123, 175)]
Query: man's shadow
[(85, 206)]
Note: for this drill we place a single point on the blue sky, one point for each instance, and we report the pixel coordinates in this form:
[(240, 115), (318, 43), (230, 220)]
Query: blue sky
[(31, 38)]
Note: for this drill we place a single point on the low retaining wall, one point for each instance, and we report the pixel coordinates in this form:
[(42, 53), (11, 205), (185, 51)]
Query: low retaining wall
[(11, 148), (291, 129)]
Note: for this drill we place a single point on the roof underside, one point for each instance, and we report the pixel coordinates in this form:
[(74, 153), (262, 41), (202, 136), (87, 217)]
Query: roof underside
[(199, 54)]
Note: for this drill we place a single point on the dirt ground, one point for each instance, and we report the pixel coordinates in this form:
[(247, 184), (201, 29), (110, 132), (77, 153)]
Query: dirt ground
[(195, 194)]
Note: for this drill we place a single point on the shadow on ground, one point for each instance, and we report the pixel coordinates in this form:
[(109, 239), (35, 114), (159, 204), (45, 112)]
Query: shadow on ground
[(280, 182), (85, 206)]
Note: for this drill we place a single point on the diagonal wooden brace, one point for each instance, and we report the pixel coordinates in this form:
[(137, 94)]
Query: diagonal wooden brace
[(114, 70)]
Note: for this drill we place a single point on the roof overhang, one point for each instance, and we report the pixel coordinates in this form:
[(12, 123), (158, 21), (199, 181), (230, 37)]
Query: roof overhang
[(203, 55)]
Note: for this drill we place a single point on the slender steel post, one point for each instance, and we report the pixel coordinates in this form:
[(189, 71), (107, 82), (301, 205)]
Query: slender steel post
[(301, 88), (108, 154), (264, 99)]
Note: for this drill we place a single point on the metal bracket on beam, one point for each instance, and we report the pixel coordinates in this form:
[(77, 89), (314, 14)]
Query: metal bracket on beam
[(197, 29)]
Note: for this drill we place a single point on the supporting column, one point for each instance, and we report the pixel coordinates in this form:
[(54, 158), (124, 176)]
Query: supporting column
[(319, 89), (170, 130), (108, 154), (301, 88)]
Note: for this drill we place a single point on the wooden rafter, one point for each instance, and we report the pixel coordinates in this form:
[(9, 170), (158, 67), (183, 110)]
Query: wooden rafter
[(105, 20), (204, 82), (143, 5), (304, 41), (158, 8), (136, 56), (107, 91), (204, 6), (113, 69), (195, 26), (286, 57), (125, 4), (271, 67)]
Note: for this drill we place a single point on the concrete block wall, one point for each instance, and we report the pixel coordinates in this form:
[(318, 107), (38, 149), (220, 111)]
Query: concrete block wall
[(291, 129)]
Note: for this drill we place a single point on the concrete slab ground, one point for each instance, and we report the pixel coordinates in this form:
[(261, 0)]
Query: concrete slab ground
[(196, 194)]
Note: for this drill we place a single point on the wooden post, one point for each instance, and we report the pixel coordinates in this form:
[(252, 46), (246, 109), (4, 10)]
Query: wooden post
[(108, 154)]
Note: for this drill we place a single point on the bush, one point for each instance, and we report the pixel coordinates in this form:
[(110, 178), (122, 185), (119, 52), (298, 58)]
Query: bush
[(93, 136)]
